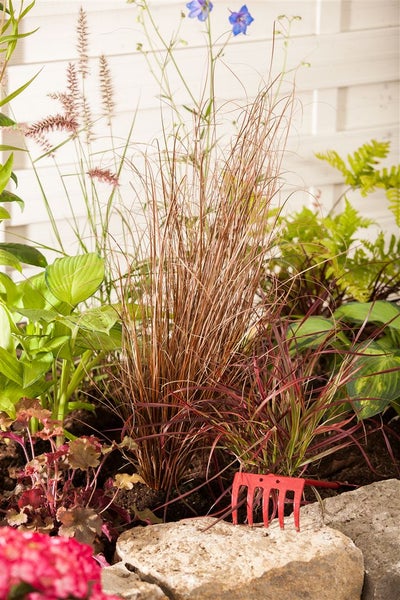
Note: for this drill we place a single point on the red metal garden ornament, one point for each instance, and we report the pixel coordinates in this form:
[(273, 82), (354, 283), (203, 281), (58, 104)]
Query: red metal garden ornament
[(275, 487)]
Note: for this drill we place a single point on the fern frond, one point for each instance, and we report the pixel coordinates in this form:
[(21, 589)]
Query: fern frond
[(393, 195), (335, 161), (360, 164)]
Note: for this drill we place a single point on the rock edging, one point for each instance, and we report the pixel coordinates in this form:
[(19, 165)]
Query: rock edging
[(206, 559)]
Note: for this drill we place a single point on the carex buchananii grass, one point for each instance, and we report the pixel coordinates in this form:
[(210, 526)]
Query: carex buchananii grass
[(189, 302)]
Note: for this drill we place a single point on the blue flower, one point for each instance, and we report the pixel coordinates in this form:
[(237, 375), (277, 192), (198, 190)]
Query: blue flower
[(240, 20), (200, 9)]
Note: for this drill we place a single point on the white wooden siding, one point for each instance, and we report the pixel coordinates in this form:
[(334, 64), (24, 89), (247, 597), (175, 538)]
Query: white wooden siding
[(347, 95)]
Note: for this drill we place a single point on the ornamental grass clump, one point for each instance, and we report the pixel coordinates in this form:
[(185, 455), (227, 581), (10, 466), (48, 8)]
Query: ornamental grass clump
[(286, 412), (190, 297)]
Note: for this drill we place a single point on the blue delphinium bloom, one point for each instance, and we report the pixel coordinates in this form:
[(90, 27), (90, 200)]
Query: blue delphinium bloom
[(200, 9), (240, 20)]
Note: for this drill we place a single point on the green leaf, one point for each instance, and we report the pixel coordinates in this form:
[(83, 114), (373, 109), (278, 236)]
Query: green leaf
[(36, 369), (35, 294), (311, 332), (7, 148), (10, 366), (18, 91), (380, 311), (76, 278), (9, 260), (97, 340), (377, 383), (6, 340), (37, 315), (97, 319), (5, 172), (8, 288), (25, 254), (7, 196), (4, 214), (6, 121)]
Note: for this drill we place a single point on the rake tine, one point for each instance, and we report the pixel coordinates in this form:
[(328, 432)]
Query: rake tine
[(265, 506), (250, 497), (281, 506), (296, 508)]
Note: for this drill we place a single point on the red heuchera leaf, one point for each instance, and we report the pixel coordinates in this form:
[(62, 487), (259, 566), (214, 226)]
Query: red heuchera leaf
[(33, 497), (84, 452)]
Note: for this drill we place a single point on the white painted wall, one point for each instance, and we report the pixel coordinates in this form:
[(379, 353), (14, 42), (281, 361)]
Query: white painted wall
[(348, 95)]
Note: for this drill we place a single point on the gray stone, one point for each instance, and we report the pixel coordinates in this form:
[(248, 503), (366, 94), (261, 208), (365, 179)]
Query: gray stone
[(118, 580), (370, 516), (207, 559)]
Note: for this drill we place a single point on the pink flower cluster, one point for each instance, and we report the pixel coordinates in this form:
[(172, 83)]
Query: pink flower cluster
[(51, 568)]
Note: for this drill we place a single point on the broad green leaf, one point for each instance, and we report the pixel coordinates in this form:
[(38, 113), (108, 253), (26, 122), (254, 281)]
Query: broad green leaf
[(4, 214), (37, 315), (6, 340), (7, 196), (97, 319), (34, 293), (311, 332), (380, 311), (10, 366), (106, 342), (5, 172), (76, 278), (9, 260), (8, 288), (7, 405), (376, 384), (36, 368), (25, 254)]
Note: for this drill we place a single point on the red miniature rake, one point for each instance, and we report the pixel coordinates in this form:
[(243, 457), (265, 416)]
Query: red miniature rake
[(276, 486)]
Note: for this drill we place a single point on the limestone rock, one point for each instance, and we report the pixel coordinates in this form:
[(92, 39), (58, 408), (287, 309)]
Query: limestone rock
[(207, 559), (370, 516), (118, 580)]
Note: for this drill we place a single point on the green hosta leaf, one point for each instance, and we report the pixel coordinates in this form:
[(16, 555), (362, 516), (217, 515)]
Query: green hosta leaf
[(74, 279), (7, 328), (9, 260), (377, 382), (35, 294), (97, 319), (10, 366), (37, 315), (7, 405), (25, 254), (311, 332), (4, 214), (36, 369), (8, 288), (6, 340), (380, 311), (97, 340)]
